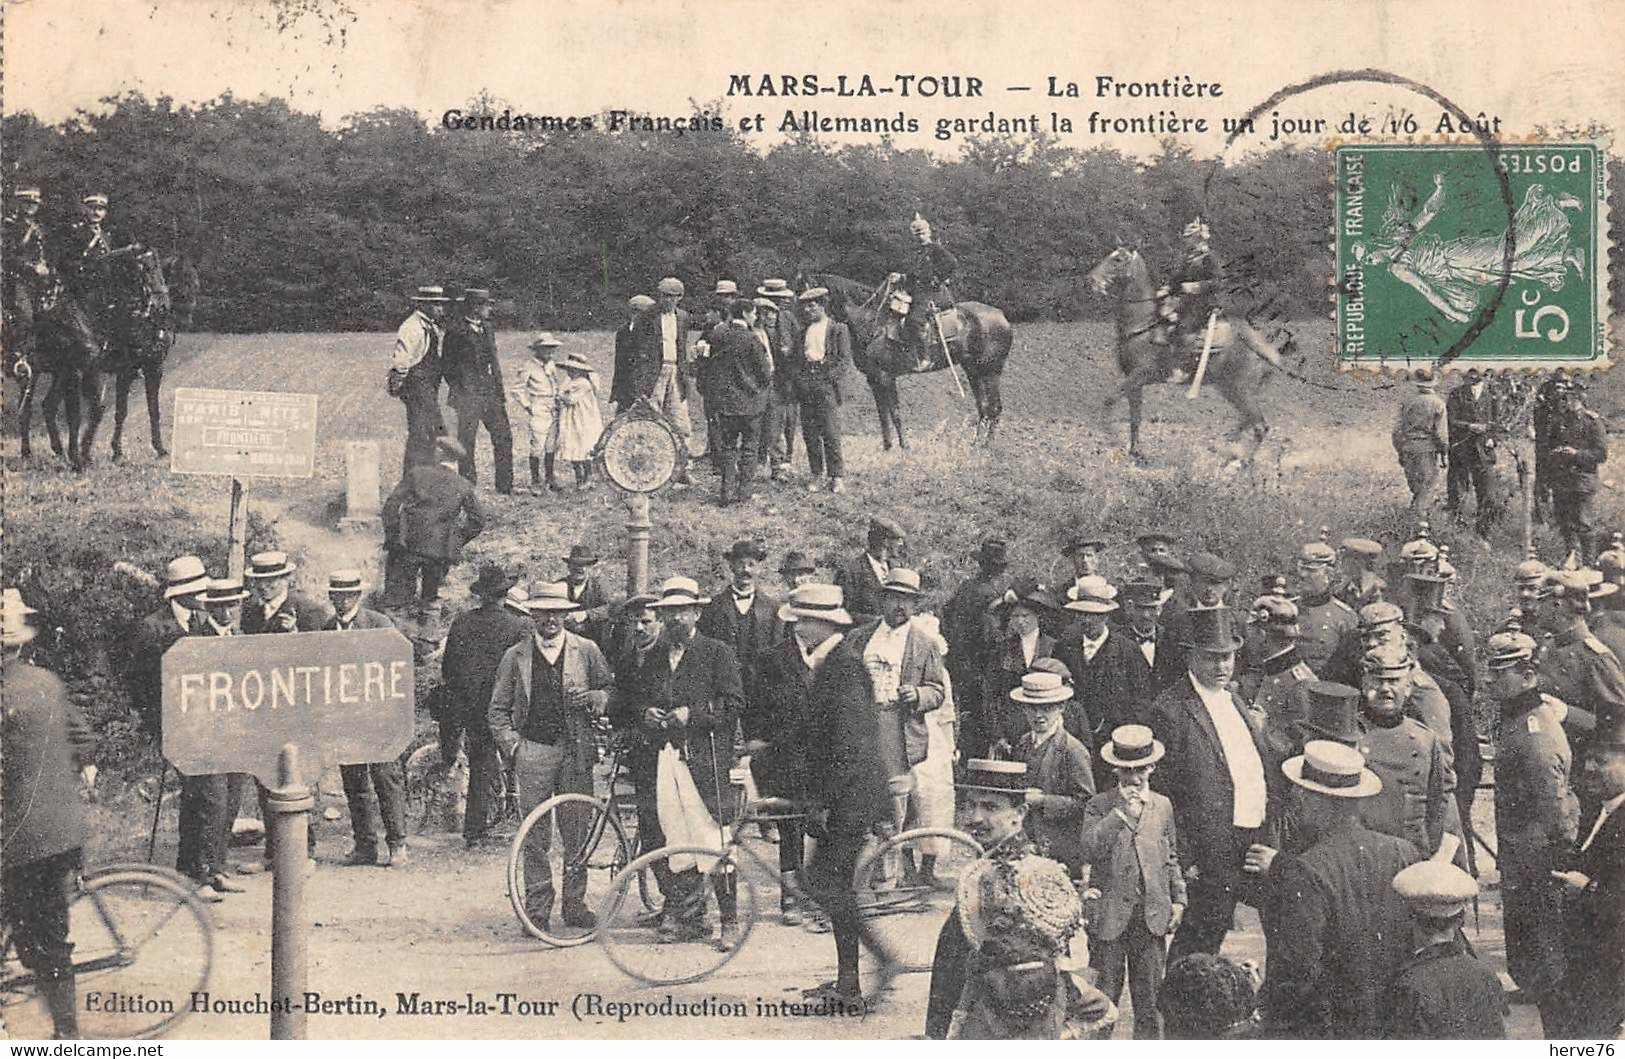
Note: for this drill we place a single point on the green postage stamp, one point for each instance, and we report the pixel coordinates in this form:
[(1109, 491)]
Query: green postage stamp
[(1471, 256)]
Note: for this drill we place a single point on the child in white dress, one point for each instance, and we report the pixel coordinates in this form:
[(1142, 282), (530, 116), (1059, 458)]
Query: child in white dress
[(580, 418)]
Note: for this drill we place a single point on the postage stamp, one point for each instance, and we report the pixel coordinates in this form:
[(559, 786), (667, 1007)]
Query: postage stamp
[(1471, 255)]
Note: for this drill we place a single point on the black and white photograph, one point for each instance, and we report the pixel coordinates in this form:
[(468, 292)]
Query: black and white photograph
[(869, 521)]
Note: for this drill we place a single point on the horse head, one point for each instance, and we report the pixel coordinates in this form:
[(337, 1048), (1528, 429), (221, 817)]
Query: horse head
[(1119, 266)]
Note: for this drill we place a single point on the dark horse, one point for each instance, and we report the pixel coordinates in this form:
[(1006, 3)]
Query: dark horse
[(1239, 363), (981, 347), (133, 333)]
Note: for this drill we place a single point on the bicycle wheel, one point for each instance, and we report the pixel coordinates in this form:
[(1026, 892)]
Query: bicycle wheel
[(142, 945), (580, 843), (683, 943), (906, 890)]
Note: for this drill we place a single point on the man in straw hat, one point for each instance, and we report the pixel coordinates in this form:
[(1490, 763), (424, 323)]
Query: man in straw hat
[(1214, 774), (475, 644), (273, 606), (661, 365), (156, 632), (549, 688), (1593, 882), (822, 353), (46, 764), (1060, 777), (1112, 676), (474, 378), (415, 373), (1339, 932), (1442, 991), (428, 518), (1130, 845), (1536, 820)]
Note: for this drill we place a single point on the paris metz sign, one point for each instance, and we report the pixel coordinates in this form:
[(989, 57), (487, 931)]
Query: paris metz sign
[(232, 702)]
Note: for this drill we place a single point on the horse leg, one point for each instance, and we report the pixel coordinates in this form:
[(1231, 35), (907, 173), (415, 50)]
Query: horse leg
[(93, 388), (152, 378), (62, 399), (992, 387), (1136, 401), (877, 387), (895, 401), (121, 409), (1250, 421)]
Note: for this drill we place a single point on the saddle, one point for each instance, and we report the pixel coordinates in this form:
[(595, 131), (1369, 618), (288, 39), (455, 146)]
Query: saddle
[(907, 351)]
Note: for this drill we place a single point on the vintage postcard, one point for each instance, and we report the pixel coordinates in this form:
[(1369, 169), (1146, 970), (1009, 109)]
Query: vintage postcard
[(873, 521)]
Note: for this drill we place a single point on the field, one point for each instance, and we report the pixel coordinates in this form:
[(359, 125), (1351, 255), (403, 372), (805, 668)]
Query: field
[(1058, 465)]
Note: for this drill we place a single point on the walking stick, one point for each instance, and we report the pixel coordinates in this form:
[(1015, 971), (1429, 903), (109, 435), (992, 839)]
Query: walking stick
[(936, 326), (1201, 365), (157, 811)]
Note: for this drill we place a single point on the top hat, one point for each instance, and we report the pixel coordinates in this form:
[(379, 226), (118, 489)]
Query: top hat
[(901, 580), (345, 581), (1318, 552), (775, 288), (576, 362), (1332, 769), (1364, 547), (1040, 689), (494, 580), (993, 551), (746, 550), (1079, 541), (670, 285), (1212, 629), (15, 628), (543, 340), (1210, 567), (640, 302), (449, 447), (185, 576), (430, 294), (680, 592), (1435, 888), (1133, 746), (797, 563), (581, 555), (825, 602), (1331, 712), (550, 595), (1091, 595), (1000, 777), (813, 294), (225, 590), (1508, 649), (268, 564)]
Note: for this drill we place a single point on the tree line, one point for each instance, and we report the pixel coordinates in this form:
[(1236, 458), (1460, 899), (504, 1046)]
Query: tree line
[(298, 227)]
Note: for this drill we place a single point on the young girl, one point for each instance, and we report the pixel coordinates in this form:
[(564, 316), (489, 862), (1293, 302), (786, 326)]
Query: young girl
[(537, 391), (580, 420)]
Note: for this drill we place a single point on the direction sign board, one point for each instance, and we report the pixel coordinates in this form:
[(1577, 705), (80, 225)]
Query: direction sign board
[(232, 702), (244, 433)]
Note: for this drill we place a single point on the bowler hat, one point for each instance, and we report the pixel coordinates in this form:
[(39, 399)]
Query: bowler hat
[(1331, 712), (1133, 746), (999, 777), (1332, 769), (268, 564), (824, 602), (746, 550), (1212, 629), (493, 580), (550, 595), (581, 555), (184, 576)]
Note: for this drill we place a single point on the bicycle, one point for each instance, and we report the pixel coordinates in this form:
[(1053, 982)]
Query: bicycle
[(902, 907), (609, 842), (142, 945)]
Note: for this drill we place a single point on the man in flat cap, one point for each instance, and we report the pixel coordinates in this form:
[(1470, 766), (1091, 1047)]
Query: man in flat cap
[(431, 514), (474, 378), (415, 371), (1324, 620), (1579, 445), (623, 389), (661, 364), (1442, 991), (822, 353), (1418, 799), (1357, 580)]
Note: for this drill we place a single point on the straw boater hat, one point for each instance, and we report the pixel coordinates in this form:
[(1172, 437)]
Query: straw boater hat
[(1435, 888), (581, 555), (185, 576), (813, 294), (777, 289), (1091, 595), (1332, 769), (902, 581), (726, 288), (1133, 746), (825, 602), (1212, 629), (576, 362), (640, 302), (345, 581), (1040, 689), (268, 564), (1000, 777), (225, 590), (550, 595), (544, 340), (680, 592), (15, 628), (430, 294)]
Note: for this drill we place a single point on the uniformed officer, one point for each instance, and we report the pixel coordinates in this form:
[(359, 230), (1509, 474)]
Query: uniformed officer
[(926, 283), (1192, 295), (1415, 802), (415, 374), (1536, 817), (1579, 445), (1528, 581), (26, 267), (1324, 620), (1421, 441), (89, 242), (1357, 581), (1442, 991), (1576, 666), (1548, 404), (1279, 684), (1377, 624), (1437, 620)]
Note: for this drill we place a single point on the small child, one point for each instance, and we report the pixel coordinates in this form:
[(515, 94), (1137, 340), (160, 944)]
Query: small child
[(580, 419), (537, 391), (1136, 896)]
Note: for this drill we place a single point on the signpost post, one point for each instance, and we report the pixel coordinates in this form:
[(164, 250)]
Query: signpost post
[(640, 454), (280, 708)]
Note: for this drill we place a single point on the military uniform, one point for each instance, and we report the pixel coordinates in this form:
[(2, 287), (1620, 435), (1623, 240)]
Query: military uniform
[(1579, 669), (1282, 695), (1574, 474), (1472, 410), (1421, 440), (1547, 406), (1324, 622), (22, 255), (926, 284), (1412, 804)]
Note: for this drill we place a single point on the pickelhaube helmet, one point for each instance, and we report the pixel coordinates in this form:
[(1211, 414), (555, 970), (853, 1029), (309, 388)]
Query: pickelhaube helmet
[(1507, 649)]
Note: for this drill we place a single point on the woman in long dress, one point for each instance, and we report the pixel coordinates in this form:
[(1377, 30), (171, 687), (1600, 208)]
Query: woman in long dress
[(581, 420)]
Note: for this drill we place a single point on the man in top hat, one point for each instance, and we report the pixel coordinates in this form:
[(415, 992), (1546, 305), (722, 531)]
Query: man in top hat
[(1442, 991), (549, 688), (1214, 774), (415, 373), (822, 354), (1576, 666), (623, 389), (1422, 441), (156, 632), (1142, 602), (475, 644), (1472, 412), (474, 379), (1579, 444), (428, 518), (1133, 853), (776, 317), (1279, 686), (384, 781), (742, 616), (274, 607), (989, 721), (1358, 583), (1112, 676), (860, 579), (1536, 818), (46, 764), (1059, 772), (688, 694), (967, 623), (1340, 932), (737, 378), (660, 367), (1593, 883), (586, 590), (1418, 800), (27, 269), (1324, 620)]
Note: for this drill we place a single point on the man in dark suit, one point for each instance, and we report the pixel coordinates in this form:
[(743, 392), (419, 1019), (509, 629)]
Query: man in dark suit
[(1594, 906), (208, 802), (997, 721), (743, 617), (688, 695), (783, 420), (1214, 774), (823, 352), (475, 644), (861, 578), (586, 591), (474, 378), (1472, 412), (156, 632), (660, 366), (428, 518), (969, 628), (1142, 621), (623, 389), (737, 376), (1112, 677)]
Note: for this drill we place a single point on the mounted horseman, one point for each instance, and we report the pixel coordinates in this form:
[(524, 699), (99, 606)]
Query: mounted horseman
[(27, 271), (926, 285), (1186, 304)]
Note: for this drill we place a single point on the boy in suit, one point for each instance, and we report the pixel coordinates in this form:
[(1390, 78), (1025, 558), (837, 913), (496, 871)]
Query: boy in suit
[(1136, 896), (1060, 776)]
